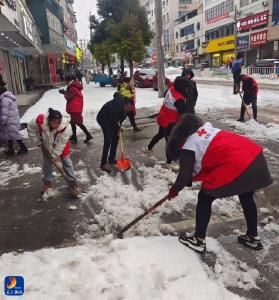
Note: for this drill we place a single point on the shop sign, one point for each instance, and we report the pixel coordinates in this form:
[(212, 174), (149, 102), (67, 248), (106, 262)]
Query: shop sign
[(259, 38), (252, 21), (275, 12), (242, 43), (217, 45), (70, 45)]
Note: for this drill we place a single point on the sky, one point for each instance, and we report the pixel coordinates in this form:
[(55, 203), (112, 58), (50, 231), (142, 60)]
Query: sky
[(82, 9)]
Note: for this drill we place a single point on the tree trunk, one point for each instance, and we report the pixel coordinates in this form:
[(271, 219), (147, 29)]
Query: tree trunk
[(131, 67)]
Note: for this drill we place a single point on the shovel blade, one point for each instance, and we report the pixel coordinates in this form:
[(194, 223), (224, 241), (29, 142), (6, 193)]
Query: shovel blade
[(123, 164)]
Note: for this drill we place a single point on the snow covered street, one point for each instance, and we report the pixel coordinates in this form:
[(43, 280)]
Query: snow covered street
[(72, 254)]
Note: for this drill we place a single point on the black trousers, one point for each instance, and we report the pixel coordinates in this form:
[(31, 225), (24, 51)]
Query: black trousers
[(203, 213), (131, 116), (162, 133), (110, 144), (236, 81), (254, 108), (82, 127)]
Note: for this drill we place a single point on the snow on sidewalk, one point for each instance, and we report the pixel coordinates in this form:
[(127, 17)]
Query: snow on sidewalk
[(134, 268)]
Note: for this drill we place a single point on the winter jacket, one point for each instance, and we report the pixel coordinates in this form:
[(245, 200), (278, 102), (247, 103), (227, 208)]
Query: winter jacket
[(56, 141), (112, 113), (250, 89), (173, 107), (126, 91), (191, 96), (226, 163), (9, 117), (74, 97), (236, 65)]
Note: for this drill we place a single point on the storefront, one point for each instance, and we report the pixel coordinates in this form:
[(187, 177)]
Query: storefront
[(220, 51)]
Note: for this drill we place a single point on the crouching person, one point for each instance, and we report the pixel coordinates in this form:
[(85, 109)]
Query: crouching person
[(110, 118), (51, 133), (227, 164)]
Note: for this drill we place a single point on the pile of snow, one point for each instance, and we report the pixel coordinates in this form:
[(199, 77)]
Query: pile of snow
[(121, 202), (135, 268), (9, 171)]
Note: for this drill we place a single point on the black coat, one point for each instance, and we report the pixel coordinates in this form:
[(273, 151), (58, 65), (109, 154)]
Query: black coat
[(112, 113), (191, 94)]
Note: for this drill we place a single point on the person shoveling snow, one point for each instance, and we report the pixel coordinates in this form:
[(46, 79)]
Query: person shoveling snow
[(51, 133), (228, 164)]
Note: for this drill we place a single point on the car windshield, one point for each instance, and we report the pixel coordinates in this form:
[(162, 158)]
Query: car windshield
[(147, 72), (173, 72)]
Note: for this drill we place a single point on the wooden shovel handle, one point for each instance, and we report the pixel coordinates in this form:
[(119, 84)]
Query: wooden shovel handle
[(148, 211)]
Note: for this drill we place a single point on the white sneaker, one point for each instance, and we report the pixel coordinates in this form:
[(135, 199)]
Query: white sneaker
[(173, 166)]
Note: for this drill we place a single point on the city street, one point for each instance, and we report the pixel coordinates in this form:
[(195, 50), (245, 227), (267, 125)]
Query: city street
[(108, 201)]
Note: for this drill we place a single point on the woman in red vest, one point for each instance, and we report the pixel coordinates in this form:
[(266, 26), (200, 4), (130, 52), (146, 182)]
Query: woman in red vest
[(74, 107), (51, 133), (173, 107), (227, 164)]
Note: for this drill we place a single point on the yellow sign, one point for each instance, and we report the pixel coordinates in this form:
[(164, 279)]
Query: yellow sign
[(79, 53), (217, 45)]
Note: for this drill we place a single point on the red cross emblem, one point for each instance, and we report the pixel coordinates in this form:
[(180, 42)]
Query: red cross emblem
[(202, 132)]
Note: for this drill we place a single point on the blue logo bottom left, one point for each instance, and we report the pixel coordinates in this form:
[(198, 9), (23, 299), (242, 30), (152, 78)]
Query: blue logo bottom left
[(14, 286)]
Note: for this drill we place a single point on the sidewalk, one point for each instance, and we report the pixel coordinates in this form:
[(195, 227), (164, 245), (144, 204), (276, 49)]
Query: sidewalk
[(264, 83)]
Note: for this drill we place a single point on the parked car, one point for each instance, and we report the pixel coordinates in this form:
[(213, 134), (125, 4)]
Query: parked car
[(144, 77), (104, 80), (170, 74), (266, 63)]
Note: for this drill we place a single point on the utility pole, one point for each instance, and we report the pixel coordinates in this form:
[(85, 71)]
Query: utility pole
[(235, 32), (159, 48)]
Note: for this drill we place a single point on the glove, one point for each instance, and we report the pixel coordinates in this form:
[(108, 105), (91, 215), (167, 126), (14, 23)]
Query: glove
[(172, 192)]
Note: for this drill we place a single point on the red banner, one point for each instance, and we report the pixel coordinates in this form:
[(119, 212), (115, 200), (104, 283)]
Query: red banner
[(252, 21), (259, 38)]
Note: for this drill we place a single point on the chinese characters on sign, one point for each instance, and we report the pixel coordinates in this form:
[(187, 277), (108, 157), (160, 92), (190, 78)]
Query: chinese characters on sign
[(258, 38), (242, 43), (252, 21)]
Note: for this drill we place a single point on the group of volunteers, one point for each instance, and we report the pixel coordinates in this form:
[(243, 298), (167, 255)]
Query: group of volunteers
[(226, 163)]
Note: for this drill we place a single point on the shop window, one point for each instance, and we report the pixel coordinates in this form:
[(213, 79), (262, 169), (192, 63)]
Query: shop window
[(198, 26), (176, 34), (198, 43)]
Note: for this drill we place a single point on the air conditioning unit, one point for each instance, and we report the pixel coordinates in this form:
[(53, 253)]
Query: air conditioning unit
[(265, 3)]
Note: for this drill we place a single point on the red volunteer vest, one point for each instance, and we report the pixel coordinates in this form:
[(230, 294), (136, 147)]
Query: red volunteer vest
[(40, 122), (220, 156), (168, 113)]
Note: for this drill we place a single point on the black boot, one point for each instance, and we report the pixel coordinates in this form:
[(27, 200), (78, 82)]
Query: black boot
[(89, 137), (11, 150), (73, 138), (23, 148)]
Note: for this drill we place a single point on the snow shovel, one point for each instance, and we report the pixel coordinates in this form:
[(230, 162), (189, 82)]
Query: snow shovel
[(147, 212), (73, 188), (123, 163), (243, 103)]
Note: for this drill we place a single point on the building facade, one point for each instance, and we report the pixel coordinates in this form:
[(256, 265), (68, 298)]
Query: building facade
[(19, 38), (189, 37)]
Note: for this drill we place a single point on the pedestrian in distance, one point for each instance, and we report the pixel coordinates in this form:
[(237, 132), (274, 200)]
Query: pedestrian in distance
[(10, 121), (51, 133), (74, 107), (227, 164), (110, 118), (173, 107), (250, 93), (236, 71), (87, 76), (191, 92), (125, 89)]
